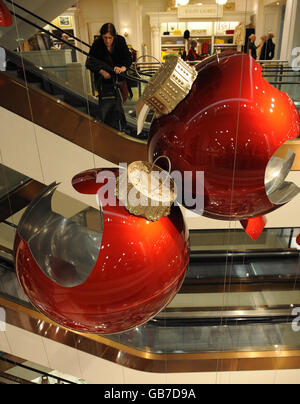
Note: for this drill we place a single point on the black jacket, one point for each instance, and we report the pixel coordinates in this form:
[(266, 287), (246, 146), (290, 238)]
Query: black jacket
[(101, 59), (253, 49), (268, 50)]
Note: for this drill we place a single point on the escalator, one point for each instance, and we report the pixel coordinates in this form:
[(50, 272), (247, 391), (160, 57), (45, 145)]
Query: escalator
[(67, 121), (59, 97), (36, 89), (14, 370), (185, 338), (16, 192), (39, 78), (234, 311)]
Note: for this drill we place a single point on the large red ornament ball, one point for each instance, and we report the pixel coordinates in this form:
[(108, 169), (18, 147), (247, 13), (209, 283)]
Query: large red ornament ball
[(229, 126), (298, 239), (139, 270), (5, 15)]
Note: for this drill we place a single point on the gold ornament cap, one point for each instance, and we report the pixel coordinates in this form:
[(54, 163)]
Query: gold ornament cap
[(146, 190), (169, 86)]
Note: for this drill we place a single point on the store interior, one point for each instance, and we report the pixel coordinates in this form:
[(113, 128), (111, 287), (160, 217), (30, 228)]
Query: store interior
[(234, 316)]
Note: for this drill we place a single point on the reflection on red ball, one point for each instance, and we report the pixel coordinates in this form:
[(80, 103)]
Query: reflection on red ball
[(228, 127), (140, 268)]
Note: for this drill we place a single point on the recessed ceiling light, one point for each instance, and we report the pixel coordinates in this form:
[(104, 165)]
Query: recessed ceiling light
[(183, 2)]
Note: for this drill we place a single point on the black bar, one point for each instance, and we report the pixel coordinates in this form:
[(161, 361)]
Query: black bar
[(288, 75), (291, 237), (10, 224), (223, 321), (283, 83)]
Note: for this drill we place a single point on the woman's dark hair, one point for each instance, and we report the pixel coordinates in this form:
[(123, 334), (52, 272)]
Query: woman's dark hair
[(108, 28)]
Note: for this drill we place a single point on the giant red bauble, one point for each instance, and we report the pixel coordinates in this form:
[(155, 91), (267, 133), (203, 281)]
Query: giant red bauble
[(5, 15), (140, 267), (229, 126)]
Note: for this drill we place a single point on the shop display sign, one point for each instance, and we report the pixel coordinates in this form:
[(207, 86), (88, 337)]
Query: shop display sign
[(209, 11)]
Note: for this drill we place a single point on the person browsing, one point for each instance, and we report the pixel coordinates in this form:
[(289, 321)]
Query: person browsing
[(108, 58)]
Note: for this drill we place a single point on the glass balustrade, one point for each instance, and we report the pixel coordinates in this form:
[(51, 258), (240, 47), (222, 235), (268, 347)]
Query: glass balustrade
[(237, 295), (59, 69)]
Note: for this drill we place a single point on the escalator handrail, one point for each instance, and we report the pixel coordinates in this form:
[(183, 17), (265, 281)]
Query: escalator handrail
[(26, 367), (79, 40), (50, 33), (32, 68), (7, 378), (46, 22), (124, 75)]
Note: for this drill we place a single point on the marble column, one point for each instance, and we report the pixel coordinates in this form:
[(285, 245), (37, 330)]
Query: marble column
[(155, 41), (289, 30), (127, 19)]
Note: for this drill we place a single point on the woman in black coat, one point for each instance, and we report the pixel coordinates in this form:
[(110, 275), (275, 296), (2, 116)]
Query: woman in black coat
[(108, 58), (270, 52), (268, 49)]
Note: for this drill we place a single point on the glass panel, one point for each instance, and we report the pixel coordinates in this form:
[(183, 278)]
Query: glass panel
[(232, 337), (10, 180), (19, 371), (283, 77), (214, 240)]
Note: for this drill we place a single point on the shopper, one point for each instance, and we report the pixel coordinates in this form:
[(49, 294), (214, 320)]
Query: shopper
[(108, 58), (192, 56), (270, 51), (268, 47), (39, 42), (68, 46), (252, 48), (250, 29), (262, 52)]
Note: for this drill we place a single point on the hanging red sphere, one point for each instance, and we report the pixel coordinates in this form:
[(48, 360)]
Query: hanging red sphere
[(5, 15), (140, 267), (298, 239), (229, 127)]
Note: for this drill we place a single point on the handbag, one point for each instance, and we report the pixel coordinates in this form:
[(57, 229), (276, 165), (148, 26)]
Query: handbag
[(124, 91), (122, 85)]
